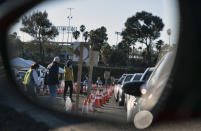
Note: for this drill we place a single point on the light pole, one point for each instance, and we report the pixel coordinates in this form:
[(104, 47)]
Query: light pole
[(169, 33), (69, 18)]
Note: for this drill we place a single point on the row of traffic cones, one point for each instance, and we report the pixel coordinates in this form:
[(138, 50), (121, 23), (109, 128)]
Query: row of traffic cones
[(46, 91), (97, 99)]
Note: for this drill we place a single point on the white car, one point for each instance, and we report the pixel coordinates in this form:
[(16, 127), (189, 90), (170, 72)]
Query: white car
[(120, 93), (116, 87)]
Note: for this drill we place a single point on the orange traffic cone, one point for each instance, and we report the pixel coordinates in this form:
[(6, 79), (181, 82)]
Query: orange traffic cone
[(103, 97), (90, 107), (41, 92), (92, 97), (62, 90), (94, 86), (108, 94), (84, 88), (85, 106), (97, 103)]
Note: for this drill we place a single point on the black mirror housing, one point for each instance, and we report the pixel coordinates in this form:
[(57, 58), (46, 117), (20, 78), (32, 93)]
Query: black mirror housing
[(133, 88)]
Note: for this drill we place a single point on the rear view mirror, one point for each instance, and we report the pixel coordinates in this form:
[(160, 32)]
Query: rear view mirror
[(133, 88)]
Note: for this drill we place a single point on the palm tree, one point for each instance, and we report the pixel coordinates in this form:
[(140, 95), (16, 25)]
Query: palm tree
[(86, 35), (169, 33), (159, 44), (76, 34), (82, 29)]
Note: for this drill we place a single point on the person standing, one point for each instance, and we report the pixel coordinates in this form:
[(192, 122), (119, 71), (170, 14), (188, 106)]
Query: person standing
[(99, 82), (52, 76), (31, 80), (68, 78), (86, 82)]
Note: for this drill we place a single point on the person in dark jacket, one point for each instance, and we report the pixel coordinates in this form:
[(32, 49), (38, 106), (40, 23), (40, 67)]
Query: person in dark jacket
[(52, 77)]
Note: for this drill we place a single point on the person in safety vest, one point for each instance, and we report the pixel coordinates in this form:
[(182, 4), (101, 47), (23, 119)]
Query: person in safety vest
[(68, 78), (31, 80)]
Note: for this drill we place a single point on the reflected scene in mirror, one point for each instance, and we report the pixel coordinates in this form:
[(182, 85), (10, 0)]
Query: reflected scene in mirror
[(94, 58)]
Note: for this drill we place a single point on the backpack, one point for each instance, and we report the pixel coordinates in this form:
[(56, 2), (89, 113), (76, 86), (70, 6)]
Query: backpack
[(28, 78)]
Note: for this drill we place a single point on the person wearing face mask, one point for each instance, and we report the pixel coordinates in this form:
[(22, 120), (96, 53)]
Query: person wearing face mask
[(68, 78), (31, 80)]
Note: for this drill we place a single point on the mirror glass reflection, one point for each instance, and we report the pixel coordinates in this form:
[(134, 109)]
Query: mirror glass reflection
[(95, 57)]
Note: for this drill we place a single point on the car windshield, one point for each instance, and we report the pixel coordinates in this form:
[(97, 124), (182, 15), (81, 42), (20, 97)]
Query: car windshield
[(137, 77), (128, 78), (121, 79)]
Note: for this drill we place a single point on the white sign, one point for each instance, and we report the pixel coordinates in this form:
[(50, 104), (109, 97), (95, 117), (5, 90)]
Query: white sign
[(67, 28), (76, 50), (94, 58)]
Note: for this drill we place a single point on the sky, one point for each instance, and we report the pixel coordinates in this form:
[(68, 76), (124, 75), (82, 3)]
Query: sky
[(109, 13)]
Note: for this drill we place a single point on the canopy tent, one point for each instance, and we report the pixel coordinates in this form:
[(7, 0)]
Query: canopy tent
[(22, 64), (19, 63)]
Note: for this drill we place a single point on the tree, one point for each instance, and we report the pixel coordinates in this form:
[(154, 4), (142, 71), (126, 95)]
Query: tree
[(16, 45), (144, 28), (76, 34), (86, 35), (106, 52), (159, 44), (98, 38), (118, 58), (39, 27), (82, 29), (124, 47)]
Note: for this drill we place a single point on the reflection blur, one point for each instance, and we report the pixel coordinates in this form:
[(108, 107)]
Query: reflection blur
[(113, 50)]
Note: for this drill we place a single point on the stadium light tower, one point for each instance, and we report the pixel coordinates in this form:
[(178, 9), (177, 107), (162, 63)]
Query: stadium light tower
[(69, 19)]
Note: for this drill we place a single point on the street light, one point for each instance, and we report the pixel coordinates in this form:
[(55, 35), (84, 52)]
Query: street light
[(169, 33), (69, 18)]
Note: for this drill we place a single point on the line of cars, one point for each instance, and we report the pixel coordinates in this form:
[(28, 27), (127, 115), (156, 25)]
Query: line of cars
[(146, 93), (119, 94)]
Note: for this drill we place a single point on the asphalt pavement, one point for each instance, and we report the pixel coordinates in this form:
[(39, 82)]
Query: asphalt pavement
[(26, 115), (110, 110)]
